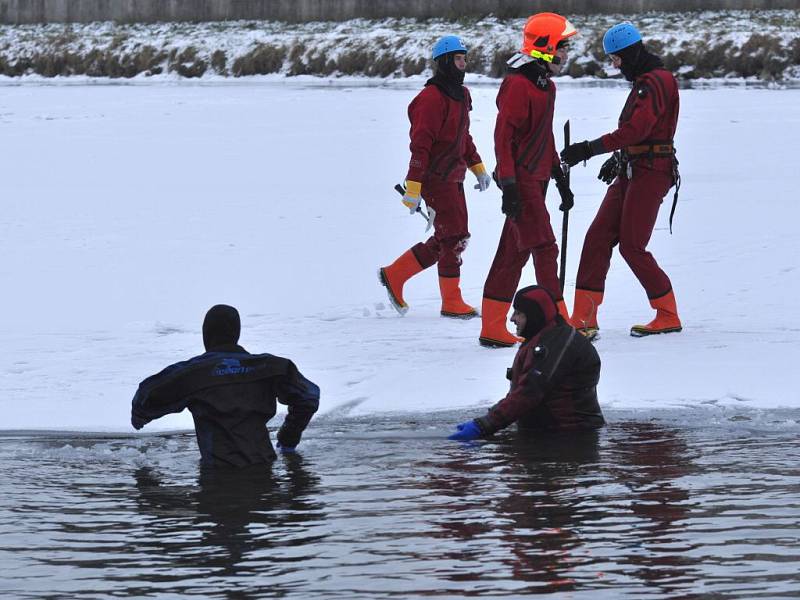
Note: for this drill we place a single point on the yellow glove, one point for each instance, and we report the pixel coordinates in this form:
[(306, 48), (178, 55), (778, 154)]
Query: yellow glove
[(484, 181), (411, 198)]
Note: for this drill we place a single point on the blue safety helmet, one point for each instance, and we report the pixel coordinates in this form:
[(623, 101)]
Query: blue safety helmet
[(620, 36), (448, 43)]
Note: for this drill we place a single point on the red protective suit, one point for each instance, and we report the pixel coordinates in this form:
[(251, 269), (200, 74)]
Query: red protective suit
[(526, 153), (441, 150), (628, 212)]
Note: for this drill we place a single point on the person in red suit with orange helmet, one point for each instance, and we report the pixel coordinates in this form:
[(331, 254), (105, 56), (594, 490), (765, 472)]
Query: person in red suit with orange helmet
[(526, 160), (441, 151), (643, 168)]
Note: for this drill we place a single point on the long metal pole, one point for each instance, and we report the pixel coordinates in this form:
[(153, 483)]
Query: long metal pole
[(562, 271)]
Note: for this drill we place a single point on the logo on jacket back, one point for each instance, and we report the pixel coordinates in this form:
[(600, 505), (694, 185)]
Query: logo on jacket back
[(230, 366)]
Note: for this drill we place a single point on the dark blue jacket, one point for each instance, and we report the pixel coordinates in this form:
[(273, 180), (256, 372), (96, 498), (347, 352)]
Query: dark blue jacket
[(231, 395)]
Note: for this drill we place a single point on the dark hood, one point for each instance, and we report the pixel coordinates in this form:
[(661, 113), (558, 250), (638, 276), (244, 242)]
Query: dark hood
[(448, 77), (637, 61), (221, 327), (536, 72), (539, 308)]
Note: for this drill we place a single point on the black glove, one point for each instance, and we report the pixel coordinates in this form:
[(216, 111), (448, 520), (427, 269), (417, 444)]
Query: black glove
[(609, 170), (496, 180), (567, 197), (138, 421), (511, 204), (575, 153)]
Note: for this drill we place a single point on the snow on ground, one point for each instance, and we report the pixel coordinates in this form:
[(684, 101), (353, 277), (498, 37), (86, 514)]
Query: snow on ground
[(129, 210)]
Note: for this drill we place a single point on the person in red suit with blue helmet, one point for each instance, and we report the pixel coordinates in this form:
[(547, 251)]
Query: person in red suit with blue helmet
[(526, 160), (441, 151), (641, 171)]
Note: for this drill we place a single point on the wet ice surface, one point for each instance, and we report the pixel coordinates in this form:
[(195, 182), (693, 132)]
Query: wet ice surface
[(659, 504), (201, 194)]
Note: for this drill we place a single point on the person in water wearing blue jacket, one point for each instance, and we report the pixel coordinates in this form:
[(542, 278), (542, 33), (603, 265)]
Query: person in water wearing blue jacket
[(231, 394)]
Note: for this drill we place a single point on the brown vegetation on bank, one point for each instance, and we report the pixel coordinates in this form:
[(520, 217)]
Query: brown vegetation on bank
[(761, 56)]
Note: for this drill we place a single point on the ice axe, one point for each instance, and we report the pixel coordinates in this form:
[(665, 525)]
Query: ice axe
[(429, 215), (562, 269)]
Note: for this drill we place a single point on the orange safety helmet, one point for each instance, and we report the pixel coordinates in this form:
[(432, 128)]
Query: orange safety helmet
[(542, 34)]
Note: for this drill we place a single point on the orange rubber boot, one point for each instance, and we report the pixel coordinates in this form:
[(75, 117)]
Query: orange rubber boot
[(584, 312), (562, 310), (394, 277), (453, 304), (666, 320), (493, 325)]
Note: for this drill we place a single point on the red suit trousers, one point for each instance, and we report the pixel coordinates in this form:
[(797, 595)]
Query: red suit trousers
[(529, 236), (450, 228), (626, 217)]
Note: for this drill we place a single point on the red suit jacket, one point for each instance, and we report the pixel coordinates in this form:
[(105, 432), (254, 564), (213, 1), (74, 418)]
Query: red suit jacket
[(441, 145), (523, 133), (650, 115)]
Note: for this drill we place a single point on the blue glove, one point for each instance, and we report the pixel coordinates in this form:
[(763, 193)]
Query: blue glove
[(286, 449), (466, 432)]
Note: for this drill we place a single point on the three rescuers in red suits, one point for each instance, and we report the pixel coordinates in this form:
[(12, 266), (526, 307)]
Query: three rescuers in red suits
[(643, 168)]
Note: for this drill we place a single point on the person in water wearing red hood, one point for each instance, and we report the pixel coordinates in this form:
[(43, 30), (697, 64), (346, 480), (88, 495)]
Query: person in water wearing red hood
[(553, 379), (441, 151), (641, 171)]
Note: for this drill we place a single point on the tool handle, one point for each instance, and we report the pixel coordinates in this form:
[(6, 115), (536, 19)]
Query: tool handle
[(566, 144), (402, 191), (562, 267)]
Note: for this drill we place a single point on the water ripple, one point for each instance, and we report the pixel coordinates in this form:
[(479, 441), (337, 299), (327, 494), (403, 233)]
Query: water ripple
[(646, 508)]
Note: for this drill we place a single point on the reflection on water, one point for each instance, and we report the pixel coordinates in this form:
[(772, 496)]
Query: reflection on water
[(230, 523), (657, 507)]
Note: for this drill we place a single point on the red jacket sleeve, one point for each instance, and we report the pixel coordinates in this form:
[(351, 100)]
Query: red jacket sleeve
[(556, 157), (427, 114), (648, 106), (513, 106), (528, 389), (471, 156), (525, 396)]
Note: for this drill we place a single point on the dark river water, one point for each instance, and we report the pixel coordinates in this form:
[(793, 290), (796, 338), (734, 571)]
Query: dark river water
[(657, 505)]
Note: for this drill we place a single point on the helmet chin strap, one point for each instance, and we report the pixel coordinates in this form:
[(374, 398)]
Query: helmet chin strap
[(553, 59)]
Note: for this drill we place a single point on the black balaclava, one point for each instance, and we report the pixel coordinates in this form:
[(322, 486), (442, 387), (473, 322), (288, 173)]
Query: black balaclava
[(448, 77), (636, 61), (539, 308), (536, 71), (221, 327)]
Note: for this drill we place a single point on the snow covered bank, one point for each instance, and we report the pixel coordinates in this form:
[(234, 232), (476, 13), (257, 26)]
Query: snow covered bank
[(752, 44), (129, 210)]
